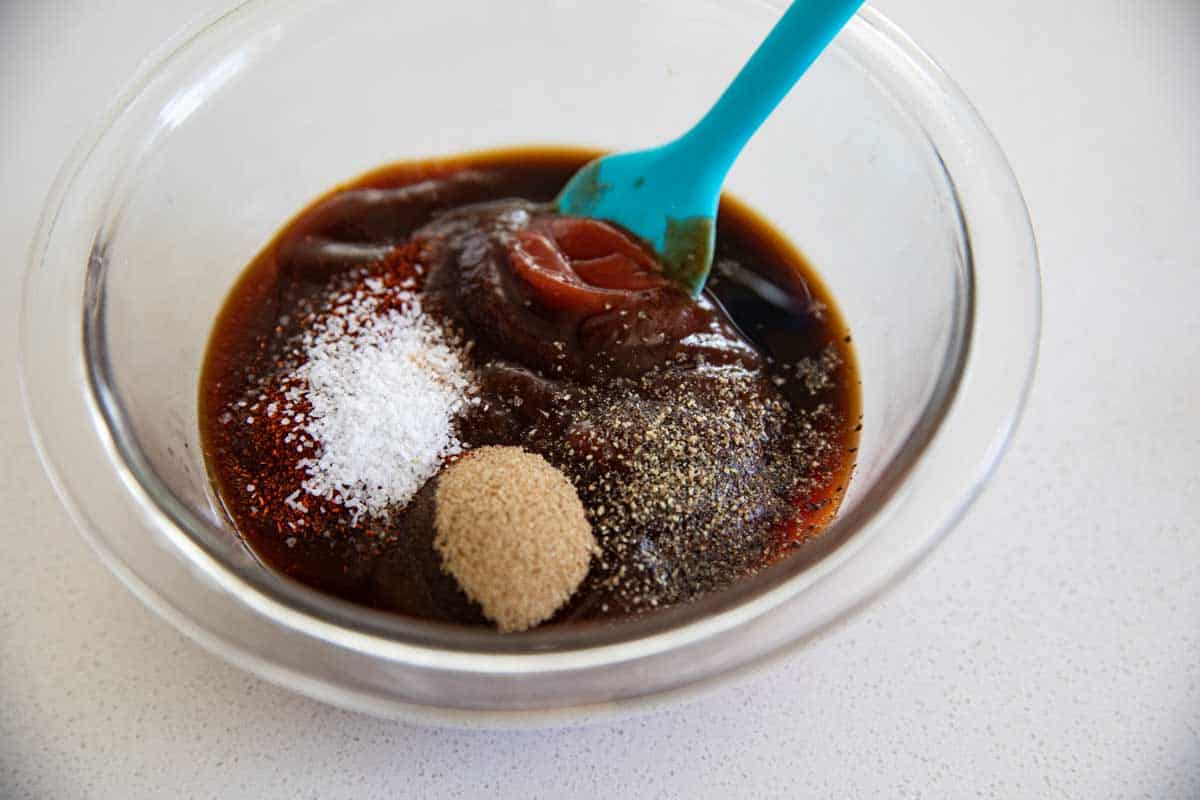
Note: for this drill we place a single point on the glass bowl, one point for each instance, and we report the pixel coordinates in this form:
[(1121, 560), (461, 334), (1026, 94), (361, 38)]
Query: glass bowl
[(875, 165)]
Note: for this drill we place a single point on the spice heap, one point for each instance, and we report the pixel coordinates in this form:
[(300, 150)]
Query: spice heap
[(669, 464), (383, 384), (512, 532), (361, 410)]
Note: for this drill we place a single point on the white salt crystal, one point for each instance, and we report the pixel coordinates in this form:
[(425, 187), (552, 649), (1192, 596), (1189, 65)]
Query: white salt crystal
[(291, 502)]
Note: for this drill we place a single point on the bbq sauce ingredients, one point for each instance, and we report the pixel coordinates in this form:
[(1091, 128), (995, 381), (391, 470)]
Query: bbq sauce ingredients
[(406, 324)]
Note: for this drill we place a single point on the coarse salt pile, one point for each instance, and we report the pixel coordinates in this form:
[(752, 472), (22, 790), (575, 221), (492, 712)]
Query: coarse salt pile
[(383, 383)]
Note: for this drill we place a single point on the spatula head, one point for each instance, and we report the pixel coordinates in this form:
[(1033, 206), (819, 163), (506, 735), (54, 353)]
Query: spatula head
[(650, 196)]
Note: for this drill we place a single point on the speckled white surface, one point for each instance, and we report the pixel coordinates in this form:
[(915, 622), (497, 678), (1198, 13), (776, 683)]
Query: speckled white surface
[(1050, 648)]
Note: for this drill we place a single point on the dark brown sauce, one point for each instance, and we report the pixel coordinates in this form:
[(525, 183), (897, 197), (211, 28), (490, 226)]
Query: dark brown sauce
[(750, 396)]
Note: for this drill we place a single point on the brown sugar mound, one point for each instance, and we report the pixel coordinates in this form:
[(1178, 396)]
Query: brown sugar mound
[(512, 531)]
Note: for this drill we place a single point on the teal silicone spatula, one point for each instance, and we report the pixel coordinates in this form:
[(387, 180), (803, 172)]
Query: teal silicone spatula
[(668, 196)]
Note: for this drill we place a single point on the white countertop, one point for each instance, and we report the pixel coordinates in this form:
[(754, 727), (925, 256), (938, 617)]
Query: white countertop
[(1050, 648)]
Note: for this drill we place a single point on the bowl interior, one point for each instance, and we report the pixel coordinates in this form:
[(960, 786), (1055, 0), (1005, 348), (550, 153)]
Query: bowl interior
[(243, 128)]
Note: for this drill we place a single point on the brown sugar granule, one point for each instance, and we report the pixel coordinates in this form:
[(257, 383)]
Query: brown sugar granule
[(513, 533)]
